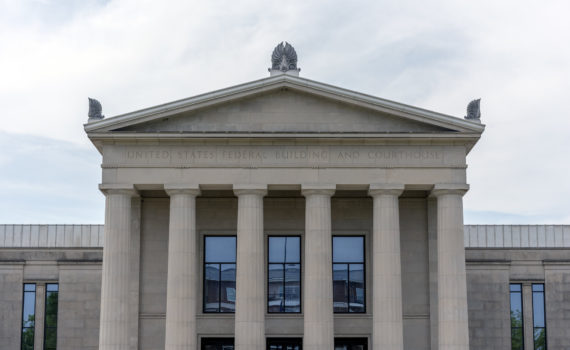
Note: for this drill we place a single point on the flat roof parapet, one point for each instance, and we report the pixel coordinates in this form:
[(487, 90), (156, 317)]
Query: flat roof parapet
[(476, 236)]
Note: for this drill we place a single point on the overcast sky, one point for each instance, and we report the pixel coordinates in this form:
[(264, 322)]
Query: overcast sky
[(438, 55)]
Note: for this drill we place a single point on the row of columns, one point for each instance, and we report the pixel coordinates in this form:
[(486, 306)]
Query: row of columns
[(318, 298)]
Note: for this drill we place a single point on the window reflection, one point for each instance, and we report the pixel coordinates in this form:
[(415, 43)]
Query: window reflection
[(516, 317), (28, 316), (284, 343), (284, 274), (349, 288), (350, 344), (217, 344), (538, 315), (219, 274), (50, 321)]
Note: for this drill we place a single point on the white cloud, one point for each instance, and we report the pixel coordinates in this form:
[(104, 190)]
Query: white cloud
[(132, 54)]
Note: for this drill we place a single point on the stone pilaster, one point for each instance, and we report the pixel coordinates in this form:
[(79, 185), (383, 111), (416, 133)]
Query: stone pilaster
[(114, 319), (40, 316), (452, 285), (387, 271), (182, 269), (250, 269), (318, 303), (528, 329)]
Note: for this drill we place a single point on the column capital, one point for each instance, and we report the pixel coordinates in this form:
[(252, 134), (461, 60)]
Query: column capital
[(189, 189), (258, 189), (442, 189), (385, 189), (318, 189), (128, 189)]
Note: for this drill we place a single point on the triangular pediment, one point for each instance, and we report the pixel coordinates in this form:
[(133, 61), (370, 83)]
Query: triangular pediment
[(284, 111), (282, 105)]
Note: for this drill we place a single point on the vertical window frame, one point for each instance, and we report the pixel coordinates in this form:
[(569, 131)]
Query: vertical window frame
[(45, 325), (284, 272), (520, 295), (534, 328), (22, 327), (363, 263), (204, 263)]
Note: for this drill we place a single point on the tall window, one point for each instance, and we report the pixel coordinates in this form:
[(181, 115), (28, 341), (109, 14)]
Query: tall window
[(348, 274), (220, 274), (50, 323), (538, 317), (284, 344), (217, 343), (28, 316), (517, 339), (284, 274)]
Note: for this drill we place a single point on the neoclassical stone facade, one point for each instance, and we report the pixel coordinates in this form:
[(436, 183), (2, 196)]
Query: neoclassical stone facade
[(309, 145), (284, 157)]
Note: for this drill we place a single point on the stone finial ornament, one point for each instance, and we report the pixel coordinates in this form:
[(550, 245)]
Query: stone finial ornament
[(474, 110), (95, 110), (284, 59)]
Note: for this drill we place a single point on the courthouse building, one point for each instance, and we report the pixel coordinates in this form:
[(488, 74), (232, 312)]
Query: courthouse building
[(284, 213)]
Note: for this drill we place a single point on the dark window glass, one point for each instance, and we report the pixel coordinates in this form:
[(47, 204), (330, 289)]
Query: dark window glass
[(538, 315), (284, 344), (349, 282), (217, 343), (350, 344), (356, 288), (284, 274), (219, 274), (228, 288), (340, 287), (28, 316), (50, 321), (517, 342)]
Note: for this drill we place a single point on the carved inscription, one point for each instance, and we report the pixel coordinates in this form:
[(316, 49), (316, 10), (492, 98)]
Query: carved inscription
[(277, 156)]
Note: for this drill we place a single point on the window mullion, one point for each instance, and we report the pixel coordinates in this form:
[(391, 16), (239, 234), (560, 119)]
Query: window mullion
[(283, 266), (348, 287), (220, 288)]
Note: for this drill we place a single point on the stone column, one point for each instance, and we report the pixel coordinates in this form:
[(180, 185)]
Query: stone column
[(387, 271), (318, 284), (114, 321), (452, 285), (182, 269), (250, 269)]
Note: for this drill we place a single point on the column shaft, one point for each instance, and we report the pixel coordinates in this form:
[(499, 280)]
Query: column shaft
[(318, 303), (452, 285), (387, 271), (250, 269), (182, 270), (114, 322)]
